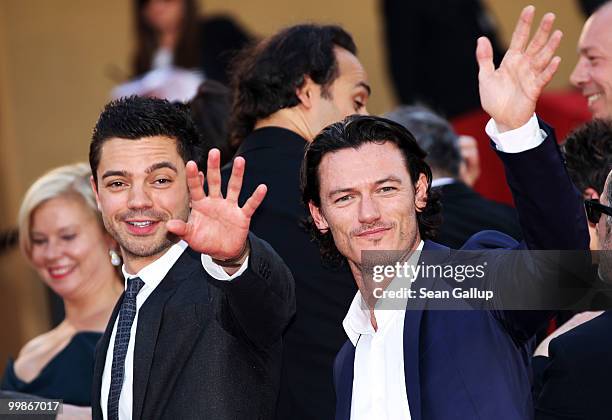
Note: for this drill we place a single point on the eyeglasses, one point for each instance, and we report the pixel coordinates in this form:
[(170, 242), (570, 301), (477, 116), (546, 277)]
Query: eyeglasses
[(594, 209)]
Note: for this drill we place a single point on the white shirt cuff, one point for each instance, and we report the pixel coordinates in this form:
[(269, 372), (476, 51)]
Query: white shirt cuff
[(521, 139), (217, 272)]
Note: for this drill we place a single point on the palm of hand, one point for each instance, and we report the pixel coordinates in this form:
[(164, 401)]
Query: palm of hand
[(513, 89), (216, 227)]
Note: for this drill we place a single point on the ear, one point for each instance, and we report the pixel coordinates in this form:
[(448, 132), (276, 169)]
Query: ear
[(318, 218), (94, 187), (420, 193), (307, 91)]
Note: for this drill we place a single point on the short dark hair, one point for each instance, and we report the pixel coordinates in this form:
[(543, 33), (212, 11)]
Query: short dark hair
[(588, 154), (267, 75), (137, 117), (353, 132), (434, 134)]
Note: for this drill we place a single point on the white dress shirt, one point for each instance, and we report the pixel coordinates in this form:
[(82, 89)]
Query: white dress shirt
[(379, 384), (152, 275)]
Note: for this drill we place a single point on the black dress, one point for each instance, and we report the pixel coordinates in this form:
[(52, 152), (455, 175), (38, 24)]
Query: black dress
[(67, 376)]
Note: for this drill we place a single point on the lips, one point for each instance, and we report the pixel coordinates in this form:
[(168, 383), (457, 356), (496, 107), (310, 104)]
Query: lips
[(57, 273), (141, 227), (373, 233)]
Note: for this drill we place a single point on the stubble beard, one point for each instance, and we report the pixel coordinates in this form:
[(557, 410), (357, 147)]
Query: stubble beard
[(144, 247)]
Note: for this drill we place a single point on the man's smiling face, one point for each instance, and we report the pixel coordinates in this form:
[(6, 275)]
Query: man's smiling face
[(368, 200), (593, 71), (141, 185)]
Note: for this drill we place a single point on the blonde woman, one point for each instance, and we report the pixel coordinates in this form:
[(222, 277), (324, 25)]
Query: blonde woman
[(62, 235)]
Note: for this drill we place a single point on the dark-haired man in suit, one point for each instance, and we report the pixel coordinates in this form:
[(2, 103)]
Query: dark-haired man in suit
[(367, 186), (197, 334)]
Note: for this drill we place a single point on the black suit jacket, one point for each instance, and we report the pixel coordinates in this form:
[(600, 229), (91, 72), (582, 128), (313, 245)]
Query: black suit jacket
[(273, 157), (576, 377), (465, 213), (205, 348)]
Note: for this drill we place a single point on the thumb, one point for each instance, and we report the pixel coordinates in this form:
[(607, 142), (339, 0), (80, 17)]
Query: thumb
[(484, 56), (178, 227)]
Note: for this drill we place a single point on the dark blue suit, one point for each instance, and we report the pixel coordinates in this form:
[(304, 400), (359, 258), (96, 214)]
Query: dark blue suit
[(475, 364)]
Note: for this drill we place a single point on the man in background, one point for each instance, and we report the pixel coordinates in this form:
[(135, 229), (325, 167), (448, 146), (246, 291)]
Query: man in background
[(286, 89)]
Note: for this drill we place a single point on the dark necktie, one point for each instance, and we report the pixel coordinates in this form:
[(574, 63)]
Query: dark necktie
[(122, 338)]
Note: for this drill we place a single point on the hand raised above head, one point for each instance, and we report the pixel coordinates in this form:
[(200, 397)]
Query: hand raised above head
[(509, 94), (217, 226)]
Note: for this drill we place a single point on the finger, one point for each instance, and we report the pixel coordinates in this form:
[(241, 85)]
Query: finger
[(213, 173), (178, 227), (546, 76), (541, 36), (235, 183), (484, 56), (543, 58), (194, 182), (521, 31), (254, 200)]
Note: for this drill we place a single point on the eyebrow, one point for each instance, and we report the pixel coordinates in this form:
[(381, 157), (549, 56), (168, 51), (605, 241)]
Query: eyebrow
[(390, 178), (152, 168), (365, 86)]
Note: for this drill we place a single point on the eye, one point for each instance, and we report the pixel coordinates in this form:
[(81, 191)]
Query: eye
[(115, 185), (69, 237), (387, 189), (343, 199), (38, 241), (162, 181)]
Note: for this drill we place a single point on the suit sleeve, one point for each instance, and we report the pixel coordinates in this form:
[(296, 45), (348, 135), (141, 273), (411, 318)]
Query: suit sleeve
[(552, 217), (262, 299)]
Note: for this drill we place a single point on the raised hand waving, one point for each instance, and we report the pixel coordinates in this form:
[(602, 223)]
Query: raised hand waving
[(217, 226), (509, 94)]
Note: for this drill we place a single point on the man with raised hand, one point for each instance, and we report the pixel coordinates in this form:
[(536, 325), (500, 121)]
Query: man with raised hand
[(368, 189), (197, 333)]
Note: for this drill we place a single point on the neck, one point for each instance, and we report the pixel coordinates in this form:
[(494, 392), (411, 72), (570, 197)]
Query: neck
[(292, 119), (91, 310), (168, 39)]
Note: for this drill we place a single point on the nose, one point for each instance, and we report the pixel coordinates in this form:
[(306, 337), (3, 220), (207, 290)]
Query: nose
[(52, 250), (580, 75), (139, 198), (368, 210)]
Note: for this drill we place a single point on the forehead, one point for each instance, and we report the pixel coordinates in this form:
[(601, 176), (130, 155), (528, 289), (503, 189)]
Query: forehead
[(60, 211), (350, 69), (597, 33), (371, 162), (134, 155)]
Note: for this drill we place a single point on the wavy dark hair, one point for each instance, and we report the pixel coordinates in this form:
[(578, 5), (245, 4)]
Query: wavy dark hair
[(266, 76), (186, 51), (353, 132)]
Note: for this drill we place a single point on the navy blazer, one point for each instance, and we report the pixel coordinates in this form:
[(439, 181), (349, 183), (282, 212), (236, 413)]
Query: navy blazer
[(475, 364)]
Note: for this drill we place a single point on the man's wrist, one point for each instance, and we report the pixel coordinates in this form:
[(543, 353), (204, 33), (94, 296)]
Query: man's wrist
[(236, 261)]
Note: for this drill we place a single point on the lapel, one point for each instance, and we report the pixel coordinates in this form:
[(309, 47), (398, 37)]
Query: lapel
[(100, 360), (149, 322), (412, 328), (345, 362)]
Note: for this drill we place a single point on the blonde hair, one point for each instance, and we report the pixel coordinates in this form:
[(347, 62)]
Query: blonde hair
[(69, 180)]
